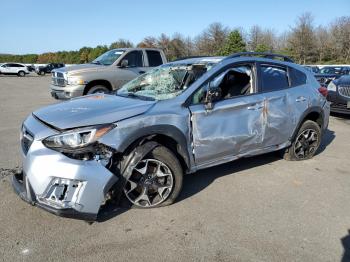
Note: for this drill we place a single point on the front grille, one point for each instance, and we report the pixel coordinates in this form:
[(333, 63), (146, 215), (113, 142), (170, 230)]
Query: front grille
[(57, 79), (26, 140), (59, 74), (344, 90), (59, 82)]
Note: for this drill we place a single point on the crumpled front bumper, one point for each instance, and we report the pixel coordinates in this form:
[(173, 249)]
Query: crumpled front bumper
[(23, 188), (59, 184)]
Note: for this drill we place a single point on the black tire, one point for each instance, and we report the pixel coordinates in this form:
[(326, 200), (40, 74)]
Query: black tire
[(42, 73), (98, 89), (301, 145), (167, 157), (21, 74)]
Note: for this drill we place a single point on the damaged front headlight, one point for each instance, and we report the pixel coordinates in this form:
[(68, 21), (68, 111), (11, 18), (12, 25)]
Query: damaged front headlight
[(77, 138)]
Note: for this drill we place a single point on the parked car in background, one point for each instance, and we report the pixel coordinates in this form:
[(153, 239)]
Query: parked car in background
[(329, 73), (173, 120), (42, 70), (14, 69), (339, 94), (106, 73), (314, 69), (31, 68)]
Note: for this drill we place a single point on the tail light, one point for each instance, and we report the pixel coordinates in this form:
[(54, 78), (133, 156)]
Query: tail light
[(323, 91)]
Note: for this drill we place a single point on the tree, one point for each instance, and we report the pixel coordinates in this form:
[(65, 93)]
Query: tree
[(121, 43), (233, 44), (301, 42), (148, 41), (262, 48), (211, 39), (340, 33)]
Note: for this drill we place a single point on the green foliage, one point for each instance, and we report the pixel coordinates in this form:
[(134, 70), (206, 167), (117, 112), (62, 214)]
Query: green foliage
[(234, 44), (262, 48)]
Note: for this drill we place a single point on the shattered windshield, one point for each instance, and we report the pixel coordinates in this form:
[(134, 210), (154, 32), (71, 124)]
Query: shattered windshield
[(108, 58), (164, 82)]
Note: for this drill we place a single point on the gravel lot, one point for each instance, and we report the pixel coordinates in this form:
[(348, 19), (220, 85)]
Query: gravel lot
[(256, 209)]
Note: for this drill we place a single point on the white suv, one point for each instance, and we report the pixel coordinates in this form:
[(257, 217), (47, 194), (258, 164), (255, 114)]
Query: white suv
[(14, 69)]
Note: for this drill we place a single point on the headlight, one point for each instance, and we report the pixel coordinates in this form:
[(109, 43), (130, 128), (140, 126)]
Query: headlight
[(332, 87), (75, 81), (77, 138)]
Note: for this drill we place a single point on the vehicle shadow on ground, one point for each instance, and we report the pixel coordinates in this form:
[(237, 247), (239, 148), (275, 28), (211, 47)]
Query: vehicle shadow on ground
[(194, 183), (341, 116), (30, 75), (328, 137), (346, 245)]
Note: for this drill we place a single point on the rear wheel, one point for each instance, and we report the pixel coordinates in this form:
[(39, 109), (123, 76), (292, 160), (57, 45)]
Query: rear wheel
[(306, 142), (21, 73), (156, 180), (42, 73), (98, 89)]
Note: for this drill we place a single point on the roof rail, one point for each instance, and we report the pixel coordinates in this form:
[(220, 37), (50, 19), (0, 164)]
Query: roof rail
[(262, 54), (189, 57)]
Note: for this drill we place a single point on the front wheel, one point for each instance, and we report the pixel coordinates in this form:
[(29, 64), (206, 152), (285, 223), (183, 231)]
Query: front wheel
[(156, 180), (98, 89), (305, 143)]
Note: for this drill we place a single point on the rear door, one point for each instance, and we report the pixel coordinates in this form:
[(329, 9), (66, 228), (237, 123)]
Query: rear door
[(274, 86), (13, 68), (154, 58)]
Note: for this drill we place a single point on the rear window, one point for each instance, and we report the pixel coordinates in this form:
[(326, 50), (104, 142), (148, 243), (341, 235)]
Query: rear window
[(154, 58), (273, 78), (297, 77)]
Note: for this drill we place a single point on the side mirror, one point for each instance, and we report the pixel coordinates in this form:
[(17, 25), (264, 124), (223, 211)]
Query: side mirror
[(213, 94), (124, 63)]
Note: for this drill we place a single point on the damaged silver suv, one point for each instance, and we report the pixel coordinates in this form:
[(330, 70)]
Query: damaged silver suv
[(174, 120)]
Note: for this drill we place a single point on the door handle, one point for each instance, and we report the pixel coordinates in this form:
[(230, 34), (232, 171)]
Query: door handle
[(255, 107), (300, 99), (142, 72)]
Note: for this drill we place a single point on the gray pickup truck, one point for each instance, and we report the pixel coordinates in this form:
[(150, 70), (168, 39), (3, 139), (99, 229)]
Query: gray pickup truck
[(106, 73)]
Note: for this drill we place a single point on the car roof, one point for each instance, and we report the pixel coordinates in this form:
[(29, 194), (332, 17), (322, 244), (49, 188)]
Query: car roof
[(198, 60), (136, 48)]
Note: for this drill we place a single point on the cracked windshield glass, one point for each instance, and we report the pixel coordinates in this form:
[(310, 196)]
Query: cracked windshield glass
[(164, 82)]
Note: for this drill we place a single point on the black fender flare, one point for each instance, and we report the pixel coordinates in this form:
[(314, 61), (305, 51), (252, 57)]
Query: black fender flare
[(165, 130), (313, 109)]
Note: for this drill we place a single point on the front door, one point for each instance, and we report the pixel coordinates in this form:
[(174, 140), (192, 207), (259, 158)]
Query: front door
[(234, 125)]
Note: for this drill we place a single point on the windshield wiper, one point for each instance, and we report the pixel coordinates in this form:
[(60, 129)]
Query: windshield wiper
[(133, 95), (96, 63)]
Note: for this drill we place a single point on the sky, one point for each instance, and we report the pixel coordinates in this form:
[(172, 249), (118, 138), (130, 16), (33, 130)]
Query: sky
[(36, 26)]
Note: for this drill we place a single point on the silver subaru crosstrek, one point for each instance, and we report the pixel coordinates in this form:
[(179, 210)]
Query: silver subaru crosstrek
[(176, 119)]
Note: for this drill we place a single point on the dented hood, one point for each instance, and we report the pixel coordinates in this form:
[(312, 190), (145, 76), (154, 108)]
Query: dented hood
[(92, 110)]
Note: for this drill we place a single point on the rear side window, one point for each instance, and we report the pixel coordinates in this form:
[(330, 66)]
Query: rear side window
[(134, 59), (154, 58), (273, 78), (297, 78)]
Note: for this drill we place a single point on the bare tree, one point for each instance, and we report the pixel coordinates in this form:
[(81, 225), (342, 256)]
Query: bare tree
[(211, 39), (340, 31), (302, 40)]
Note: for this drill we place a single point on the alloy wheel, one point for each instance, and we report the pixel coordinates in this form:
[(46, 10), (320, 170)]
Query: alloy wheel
[(150, 183), (306, 144)]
